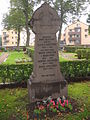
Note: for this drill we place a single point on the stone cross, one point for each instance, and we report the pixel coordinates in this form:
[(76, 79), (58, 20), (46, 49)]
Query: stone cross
[(46, 79)]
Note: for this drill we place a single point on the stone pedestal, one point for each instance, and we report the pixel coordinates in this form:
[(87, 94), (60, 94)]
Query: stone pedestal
[(46, 79), (38, 91)]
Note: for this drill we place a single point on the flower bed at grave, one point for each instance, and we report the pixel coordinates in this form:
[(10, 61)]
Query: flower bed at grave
[(23, 60), (51, 107)]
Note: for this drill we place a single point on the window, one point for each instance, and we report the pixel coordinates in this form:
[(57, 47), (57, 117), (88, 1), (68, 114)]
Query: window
[(12, 37), (86, 30), (70, 36), (77, 30), (16, 42), (15, 32), (70, 30), (85, 36), (78, 25), (4, 33), (16, 37), (74, 35), (70, 41), (12, 42), (77, 41), (78, 36), (12, 32)]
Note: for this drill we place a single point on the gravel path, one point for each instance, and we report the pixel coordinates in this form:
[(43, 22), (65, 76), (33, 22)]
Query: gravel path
[(3, 57), (69, 56)]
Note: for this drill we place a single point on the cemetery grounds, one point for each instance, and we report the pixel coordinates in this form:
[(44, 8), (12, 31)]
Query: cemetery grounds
[(13, 102)]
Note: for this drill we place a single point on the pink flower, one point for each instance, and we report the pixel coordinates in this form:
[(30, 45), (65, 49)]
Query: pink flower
[(60, 101), (47, 105), (53, 103), (57, 106), (41, 107), (57, 103)]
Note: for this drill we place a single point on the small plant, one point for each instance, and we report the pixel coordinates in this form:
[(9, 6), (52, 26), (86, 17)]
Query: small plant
[(37, 112), (52, 105), (70, 107)]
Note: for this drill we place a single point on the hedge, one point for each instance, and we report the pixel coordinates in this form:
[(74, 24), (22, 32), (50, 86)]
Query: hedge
[(83, 53), (73, 49), (30, 52), (22, 72), (15, 73)]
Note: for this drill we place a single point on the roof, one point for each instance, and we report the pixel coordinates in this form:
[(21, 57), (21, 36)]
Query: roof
[(75, 22)]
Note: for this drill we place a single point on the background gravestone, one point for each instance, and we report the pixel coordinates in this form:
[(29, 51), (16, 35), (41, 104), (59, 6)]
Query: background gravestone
[(46, 79)]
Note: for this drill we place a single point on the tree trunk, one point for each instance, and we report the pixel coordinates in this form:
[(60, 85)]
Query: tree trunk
[(59, 35), (28, 33), (27, 27), (18, 42)]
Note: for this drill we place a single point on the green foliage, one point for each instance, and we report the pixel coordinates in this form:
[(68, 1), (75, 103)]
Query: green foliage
[(75, 68), (0, 41), (30, 52), (13, 103), (83, 53), (88, 21), (61, 108), (70, 106), (14, 20), (22, 72), (44, 110), (26, 6), (37, 111), (13, 56), (15, 73), (73, 49)]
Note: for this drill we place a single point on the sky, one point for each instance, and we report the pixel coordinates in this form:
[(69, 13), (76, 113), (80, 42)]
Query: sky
[(4, 7)]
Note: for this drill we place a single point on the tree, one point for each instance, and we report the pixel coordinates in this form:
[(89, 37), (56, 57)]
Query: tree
[(65, 8), (0, 40), (88, 21), (14, 20), (26, 6)]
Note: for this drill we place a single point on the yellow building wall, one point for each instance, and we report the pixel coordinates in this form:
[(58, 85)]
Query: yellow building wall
[(9, 38), (85, 37)]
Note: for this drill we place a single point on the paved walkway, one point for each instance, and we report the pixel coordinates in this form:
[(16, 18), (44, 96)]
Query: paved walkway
[(3, 57), (69, 56)]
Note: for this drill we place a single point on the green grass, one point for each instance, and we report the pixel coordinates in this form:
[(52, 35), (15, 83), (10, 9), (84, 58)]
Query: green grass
[(13, 56), (13, 102), (0, 53), (61, 59)]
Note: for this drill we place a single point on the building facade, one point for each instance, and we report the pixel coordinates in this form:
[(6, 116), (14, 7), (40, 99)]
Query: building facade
[(9, 38), (76, 34)]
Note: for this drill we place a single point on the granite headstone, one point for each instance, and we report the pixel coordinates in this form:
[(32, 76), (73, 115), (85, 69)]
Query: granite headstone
[(46, 79)]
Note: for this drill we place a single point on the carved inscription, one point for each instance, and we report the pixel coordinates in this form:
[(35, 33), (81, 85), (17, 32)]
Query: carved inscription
[(47, 54)]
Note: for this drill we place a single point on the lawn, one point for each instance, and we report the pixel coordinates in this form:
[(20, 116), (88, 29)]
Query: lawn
[(14, 56), (0, 53), (13, 103), (61, 59), (67, 56)]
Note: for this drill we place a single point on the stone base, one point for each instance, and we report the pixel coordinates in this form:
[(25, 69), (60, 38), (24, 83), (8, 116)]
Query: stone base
[(38, 91)]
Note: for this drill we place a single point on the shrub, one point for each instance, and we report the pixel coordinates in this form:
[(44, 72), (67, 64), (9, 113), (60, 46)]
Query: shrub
[(73, 49), (22, 72), (15, 73), (30, 52), (83, 53), (75, 68)]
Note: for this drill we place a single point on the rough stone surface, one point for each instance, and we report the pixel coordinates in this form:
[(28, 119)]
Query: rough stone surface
[(46, 79)]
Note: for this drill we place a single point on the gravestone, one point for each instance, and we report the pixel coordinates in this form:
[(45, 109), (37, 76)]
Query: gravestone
[(46, 79)]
